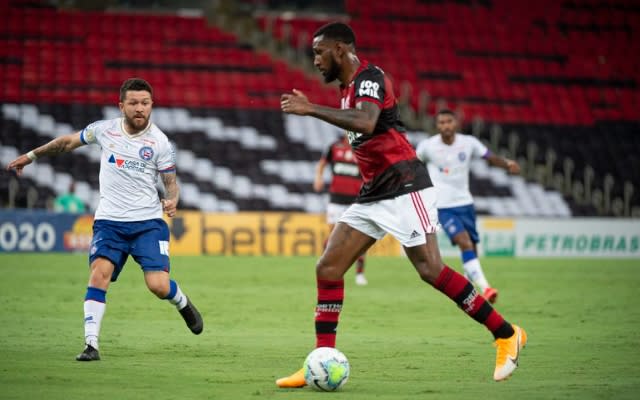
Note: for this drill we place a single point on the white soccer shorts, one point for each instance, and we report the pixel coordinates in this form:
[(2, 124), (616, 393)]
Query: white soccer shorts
[(407, 217), (334, 212)]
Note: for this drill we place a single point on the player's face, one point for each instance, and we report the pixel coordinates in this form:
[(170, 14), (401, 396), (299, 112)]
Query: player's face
[(136, 109), (446, 125), (324, 60)]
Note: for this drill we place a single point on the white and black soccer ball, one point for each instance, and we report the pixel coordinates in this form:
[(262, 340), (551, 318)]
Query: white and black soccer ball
[(326, 369)]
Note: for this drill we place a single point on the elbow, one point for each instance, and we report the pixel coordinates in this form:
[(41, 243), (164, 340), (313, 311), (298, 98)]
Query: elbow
[(367, 127)]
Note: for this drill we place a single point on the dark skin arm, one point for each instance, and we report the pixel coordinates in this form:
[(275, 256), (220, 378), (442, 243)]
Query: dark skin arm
[(361, 119), (509, 165)]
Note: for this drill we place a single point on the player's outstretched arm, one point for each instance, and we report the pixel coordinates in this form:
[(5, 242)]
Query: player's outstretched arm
[(62, 144), (510, 165), (170, 202), (361, 119)]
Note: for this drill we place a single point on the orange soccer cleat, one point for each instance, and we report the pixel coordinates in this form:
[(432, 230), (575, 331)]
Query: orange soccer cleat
[(508, 352), (490, 294), (296, 380)]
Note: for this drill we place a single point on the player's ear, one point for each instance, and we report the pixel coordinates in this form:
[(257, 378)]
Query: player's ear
[(340, 49)]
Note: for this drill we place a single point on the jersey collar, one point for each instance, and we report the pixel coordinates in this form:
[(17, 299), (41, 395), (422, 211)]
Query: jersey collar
[(363, 65), (130, 136)]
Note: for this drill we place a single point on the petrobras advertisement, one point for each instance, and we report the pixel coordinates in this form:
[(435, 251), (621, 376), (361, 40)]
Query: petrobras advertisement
[(301, 234), (572, 237), (578, 238)]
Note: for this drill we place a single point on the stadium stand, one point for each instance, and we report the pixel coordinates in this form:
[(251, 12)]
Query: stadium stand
[(511, 62), (217, 98)]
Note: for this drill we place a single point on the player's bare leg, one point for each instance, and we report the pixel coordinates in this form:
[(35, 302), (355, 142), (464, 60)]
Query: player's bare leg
[(360, 279), (164, 288), (471, 265), (345, 245), (509, 339), (94, 307)]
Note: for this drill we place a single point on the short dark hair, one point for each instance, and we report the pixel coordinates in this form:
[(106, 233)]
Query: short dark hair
[(134, 84), (337, 31), (445, 111)]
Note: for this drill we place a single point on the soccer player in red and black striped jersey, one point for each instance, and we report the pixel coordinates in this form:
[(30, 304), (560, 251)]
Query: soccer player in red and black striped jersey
[(344, 188), (396, 197)]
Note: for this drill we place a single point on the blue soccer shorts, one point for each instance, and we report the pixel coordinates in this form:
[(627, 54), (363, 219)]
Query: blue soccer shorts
[(146, 241), (456, 220)]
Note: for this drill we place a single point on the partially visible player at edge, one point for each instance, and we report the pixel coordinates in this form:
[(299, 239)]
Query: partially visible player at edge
[(344, 188), (128, 220), (448, 156), (397, 198)]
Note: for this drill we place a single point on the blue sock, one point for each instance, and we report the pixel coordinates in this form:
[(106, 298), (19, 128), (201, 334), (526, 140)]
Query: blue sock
[(173, 289), (176, 296), (468, 255), (94, 306), (96, 294)]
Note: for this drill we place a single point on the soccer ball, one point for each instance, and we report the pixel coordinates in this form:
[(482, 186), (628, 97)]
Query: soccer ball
[(326, 369)]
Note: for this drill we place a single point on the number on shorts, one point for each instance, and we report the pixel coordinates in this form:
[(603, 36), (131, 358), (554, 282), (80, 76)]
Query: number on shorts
[(164, 247)]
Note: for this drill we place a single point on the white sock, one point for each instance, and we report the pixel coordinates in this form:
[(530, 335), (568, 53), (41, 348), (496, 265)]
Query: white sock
[(93, 313), (473, 272), (179, 299)]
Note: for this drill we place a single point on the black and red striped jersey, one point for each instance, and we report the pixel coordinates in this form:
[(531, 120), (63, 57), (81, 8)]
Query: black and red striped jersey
[(346, 180), (387, 161)]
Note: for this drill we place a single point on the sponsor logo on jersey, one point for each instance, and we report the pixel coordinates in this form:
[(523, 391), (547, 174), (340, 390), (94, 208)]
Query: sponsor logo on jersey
[(348, 155), (146, 153), (130, 165), (369, 88), (114, 134), (346, 169), (353, 136)]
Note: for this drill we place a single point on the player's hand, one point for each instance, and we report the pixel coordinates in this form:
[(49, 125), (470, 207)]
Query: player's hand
[(169, 207), (318, 185), (19, 163), (513, 167), (295, 103)]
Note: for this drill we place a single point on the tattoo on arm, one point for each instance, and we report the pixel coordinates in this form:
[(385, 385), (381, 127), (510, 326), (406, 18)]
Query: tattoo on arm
[(171, 186), (62, 144)]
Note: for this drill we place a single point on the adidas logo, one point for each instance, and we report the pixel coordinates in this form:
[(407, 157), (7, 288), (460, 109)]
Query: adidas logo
[(414, 235)]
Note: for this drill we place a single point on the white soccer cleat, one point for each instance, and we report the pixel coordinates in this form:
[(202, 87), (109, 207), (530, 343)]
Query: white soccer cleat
[(361, 280)]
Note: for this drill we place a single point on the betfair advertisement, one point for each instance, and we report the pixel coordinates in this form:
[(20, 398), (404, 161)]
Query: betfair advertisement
[(256, 233)]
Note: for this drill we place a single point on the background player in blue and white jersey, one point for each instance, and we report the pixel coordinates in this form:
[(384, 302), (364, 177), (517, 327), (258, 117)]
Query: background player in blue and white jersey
[(128, 220), (448, 156)]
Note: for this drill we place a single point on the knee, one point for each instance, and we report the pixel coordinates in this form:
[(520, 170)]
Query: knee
[(464, 242), (159, 288), (328, 271), (100, 276), (428, 271)]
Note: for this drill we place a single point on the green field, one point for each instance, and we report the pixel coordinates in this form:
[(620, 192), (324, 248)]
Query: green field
[(404, 340)]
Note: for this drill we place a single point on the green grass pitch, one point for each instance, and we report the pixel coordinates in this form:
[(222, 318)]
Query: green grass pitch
[(404, 340)]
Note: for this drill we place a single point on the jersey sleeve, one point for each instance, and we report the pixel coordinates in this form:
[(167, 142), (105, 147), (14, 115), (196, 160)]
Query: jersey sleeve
[(478, 149), (370, 86), (421, 151), (167, 158), (92, 133)]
